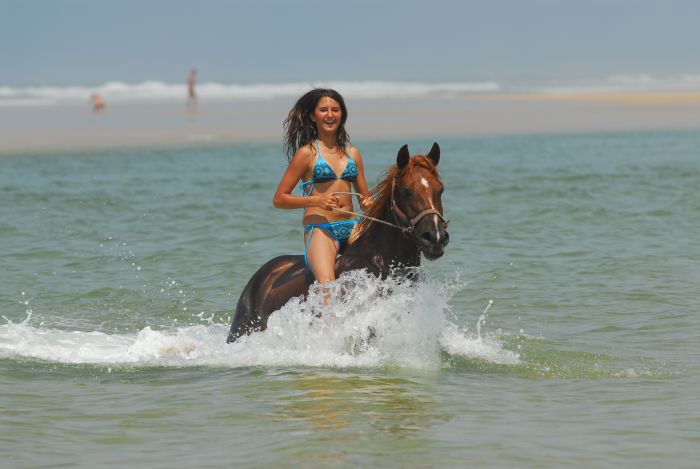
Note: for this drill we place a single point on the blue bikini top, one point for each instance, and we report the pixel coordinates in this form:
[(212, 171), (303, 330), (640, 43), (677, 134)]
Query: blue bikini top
[(323, 172)]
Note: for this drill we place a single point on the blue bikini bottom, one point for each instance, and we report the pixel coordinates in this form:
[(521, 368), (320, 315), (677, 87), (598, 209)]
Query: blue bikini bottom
[(338, 230)]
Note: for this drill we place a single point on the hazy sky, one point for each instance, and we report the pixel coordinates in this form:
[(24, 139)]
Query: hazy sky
[(88, 42)]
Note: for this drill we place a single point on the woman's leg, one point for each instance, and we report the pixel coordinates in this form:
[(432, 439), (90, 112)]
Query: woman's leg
[(320, 254)]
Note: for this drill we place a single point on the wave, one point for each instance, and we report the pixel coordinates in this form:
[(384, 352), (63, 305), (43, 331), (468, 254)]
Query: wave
[(624, 83), (368, 327), (116, 91), (119, 91)]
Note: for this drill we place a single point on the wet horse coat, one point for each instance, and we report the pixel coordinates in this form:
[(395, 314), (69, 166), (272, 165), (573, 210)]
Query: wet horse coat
[(408, 198)]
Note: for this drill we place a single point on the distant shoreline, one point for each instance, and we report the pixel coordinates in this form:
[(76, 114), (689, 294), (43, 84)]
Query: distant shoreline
[(75, 127)]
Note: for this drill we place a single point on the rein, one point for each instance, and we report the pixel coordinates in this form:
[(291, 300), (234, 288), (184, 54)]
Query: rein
[(403, 229), (409, 223)]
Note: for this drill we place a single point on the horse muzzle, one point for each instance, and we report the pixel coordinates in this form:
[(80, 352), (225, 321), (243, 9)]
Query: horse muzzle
[(432, 241)]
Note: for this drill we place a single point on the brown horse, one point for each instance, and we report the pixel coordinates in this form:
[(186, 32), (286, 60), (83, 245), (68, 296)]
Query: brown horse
[(404, 221)]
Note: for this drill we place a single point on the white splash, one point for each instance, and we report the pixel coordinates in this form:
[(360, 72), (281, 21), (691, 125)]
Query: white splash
[(371, 323)]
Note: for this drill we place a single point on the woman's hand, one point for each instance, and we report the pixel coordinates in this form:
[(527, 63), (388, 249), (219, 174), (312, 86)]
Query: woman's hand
[(366, 202), (327, 201)]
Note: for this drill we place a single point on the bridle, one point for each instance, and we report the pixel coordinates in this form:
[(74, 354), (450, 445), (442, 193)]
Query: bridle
[(409, 224)]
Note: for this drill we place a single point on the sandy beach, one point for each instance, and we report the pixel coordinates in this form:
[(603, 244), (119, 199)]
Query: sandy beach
[(69, 127)]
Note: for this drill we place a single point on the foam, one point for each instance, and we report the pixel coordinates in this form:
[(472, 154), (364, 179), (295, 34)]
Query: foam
[(117, 91), (372, 323), (154, 90), (624, 83)]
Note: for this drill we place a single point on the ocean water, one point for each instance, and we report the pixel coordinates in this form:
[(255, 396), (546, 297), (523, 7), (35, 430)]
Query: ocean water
[(561, 328)]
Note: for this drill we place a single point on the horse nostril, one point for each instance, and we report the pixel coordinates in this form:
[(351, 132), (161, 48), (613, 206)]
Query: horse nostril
[(445, 238), (429, 237)]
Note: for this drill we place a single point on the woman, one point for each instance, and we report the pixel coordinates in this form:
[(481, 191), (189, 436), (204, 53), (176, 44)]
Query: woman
[(320, 155)]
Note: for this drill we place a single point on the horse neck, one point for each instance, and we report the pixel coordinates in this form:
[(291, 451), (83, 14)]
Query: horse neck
[(387, 246), (398, 248)]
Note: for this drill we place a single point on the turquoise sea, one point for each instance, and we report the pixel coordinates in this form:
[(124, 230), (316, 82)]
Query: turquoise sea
[(120, 272)]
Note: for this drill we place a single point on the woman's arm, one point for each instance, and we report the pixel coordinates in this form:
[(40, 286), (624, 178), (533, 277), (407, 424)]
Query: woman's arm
[(361, 182), (283, 197)]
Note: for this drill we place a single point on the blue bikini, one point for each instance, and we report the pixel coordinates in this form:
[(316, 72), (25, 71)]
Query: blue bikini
[(323, 172), (338, 230)]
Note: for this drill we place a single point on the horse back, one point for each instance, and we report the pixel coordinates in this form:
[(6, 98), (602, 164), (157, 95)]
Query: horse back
[(279, 280)]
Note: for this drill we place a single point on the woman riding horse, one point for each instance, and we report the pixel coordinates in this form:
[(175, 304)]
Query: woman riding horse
[(405, 220)]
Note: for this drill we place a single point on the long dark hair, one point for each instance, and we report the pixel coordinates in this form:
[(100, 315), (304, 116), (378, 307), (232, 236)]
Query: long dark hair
[(300, 130)]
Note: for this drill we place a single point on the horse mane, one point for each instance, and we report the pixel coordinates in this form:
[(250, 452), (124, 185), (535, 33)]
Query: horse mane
[(381, 194)]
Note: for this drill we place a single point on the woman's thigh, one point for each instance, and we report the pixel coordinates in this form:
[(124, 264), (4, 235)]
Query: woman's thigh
[(321, 254)]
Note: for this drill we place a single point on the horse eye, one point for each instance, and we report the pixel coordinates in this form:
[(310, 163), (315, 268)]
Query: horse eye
[(406, 193)]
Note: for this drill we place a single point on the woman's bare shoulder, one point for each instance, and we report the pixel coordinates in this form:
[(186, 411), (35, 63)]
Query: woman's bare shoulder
[(354, 152), (303, 156)]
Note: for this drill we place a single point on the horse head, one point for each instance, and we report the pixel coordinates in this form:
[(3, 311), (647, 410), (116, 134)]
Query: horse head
[(416, 201)]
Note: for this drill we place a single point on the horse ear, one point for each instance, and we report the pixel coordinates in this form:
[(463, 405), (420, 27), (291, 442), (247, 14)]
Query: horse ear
[(434, 153), (402, 157)]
